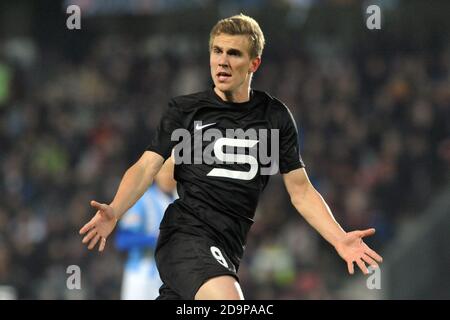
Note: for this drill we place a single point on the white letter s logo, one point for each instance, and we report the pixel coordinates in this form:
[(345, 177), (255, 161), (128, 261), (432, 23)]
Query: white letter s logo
[(239, 158)]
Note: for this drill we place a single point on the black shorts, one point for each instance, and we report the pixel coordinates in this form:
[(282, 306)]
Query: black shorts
[(186, 261)]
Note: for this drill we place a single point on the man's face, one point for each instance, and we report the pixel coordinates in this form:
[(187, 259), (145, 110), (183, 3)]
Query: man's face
[(231, 65)]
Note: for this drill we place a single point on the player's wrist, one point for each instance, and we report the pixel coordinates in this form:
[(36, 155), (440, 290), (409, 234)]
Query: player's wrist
[(115, 213), (338, 240)]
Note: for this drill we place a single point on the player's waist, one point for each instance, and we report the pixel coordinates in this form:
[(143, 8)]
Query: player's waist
[(196, 204), (226, 229)]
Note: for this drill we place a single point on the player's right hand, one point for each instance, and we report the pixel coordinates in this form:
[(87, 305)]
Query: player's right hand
[(100, 226)]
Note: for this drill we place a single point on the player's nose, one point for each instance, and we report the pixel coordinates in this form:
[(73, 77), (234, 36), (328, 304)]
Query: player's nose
[(224, 67), (223, 61)]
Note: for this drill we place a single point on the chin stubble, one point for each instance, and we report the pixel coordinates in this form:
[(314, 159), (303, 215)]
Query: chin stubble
[(228, 95)]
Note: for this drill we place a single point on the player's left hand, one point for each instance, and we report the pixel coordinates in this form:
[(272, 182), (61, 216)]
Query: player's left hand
[(352, 249)]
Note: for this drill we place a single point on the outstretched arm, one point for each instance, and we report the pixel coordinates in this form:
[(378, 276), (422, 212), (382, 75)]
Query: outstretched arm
[(310, 204), (133, 185), (136, 181)]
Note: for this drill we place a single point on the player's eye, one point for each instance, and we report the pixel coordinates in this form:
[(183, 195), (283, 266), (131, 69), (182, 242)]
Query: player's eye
[(217, 50)]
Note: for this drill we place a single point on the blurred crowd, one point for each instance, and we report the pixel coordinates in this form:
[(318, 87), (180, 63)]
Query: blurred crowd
[(375, 138)]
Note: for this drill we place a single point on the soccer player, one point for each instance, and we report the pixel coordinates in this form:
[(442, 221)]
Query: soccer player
[(137, 234), (203, 233)]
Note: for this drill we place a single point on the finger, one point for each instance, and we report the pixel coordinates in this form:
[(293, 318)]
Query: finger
[(102, 244), (350, 267), (362, 266), (94, 242), (374, 255), (89, 236), (367, 232), (86, 227), (370, 261), (99, 206)]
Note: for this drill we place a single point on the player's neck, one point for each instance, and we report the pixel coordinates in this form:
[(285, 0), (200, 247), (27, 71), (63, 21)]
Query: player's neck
[(239, 96)]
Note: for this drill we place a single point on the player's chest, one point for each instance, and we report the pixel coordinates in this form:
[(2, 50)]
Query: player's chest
[(232, 145), (226, 122)]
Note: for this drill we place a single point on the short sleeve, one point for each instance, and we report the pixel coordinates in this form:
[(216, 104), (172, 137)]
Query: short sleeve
[(290, 158), (171, 120)]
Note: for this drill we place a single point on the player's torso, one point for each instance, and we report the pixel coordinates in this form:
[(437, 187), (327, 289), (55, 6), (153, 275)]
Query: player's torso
[(224, 155)]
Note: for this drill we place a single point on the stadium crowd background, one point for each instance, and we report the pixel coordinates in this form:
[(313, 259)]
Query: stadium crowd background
[(76, 110)]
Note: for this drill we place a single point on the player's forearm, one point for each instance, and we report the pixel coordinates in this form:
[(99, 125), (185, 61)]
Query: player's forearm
[(310, 204), (131, 188), (135, 182)]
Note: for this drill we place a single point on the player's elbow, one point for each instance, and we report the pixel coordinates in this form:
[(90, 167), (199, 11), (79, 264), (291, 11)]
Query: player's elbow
[(295, 200), (298, 195)]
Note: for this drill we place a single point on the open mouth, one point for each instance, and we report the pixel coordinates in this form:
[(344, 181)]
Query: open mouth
[(223, 76)]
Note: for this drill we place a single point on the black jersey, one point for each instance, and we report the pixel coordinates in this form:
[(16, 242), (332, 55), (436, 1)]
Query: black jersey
[(219, 199)]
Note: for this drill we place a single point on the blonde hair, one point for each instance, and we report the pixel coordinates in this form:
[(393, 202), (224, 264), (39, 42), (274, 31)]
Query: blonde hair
[(241, 25)]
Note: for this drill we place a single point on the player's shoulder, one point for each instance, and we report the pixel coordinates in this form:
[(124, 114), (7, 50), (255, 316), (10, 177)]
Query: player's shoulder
[(277, 107), (187, 101)]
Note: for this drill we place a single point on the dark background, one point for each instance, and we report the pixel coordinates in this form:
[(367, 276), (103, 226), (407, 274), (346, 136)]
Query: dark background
[(77, 107)]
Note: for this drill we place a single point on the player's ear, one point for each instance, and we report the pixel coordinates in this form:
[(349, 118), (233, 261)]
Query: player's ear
[(254, 65)]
